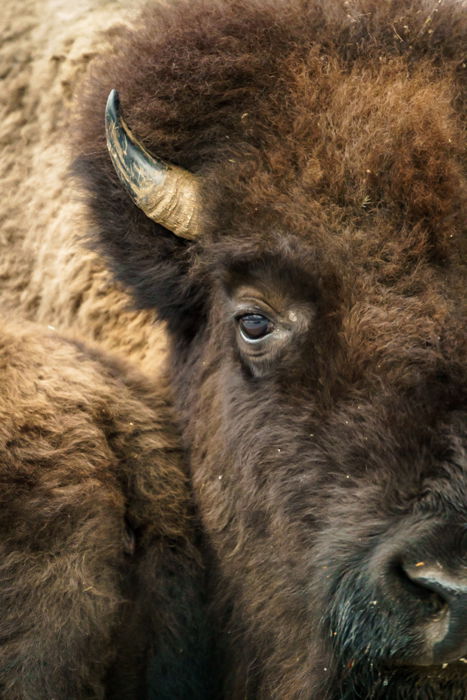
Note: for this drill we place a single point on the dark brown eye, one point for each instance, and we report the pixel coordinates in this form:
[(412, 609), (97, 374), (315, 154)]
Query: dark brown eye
[(254, 327)]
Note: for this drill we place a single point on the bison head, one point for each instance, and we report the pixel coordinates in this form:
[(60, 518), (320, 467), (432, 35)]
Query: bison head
[(313, 295)]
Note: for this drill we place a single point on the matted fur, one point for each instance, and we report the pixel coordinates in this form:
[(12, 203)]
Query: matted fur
[(329, 138)]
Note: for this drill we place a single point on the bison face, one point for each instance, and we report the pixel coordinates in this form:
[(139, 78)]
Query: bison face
[(323, 413), (321, 405), (314, 306)]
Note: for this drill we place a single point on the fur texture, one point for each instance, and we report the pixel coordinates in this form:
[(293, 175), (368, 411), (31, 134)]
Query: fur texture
[(329, 139), (46, 273), (100, 582)]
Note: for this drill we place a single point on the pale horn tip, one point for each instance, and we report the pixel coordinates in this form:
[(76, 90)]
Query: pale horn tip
[(112, 108)]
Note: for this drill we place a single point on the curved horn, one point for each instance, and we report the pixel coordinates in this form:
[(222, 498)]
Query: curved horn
[(166, 193)]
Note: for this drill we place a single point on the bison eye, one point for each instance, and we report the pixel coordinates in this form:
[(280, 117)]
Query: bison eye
[(254, 327)]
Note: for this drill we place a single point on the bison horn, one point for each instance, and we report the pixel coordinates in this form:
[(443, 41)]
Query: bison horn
[(166, 193)]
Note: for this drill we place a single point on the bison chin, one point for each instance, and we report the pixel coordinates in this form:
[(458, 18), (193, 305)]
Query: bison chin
[(370, 683), (368, 674)]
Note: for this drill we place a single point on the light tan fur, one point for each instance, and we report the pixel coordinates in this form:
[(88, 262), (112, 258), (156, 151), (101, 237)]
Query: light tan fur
[(46, 273)]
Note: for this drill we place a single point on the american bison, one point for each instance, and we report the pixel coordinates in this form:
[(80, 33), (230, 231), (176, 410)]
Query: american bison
[(297, 220), (100, 580)]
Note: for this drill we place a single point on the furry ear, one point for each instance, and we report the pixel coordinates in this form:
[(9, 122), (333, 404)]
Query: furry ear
[(146, 257)]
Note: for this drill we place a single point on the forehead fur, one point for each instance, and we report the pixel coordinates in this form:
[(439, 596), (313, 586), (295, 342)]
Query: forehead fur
[(343, 109), (339, 122)]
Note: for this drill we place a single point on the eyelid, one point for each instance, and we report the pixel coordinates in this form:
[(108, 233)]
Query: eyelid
[(247, 306), (249, 311), (253, 341)]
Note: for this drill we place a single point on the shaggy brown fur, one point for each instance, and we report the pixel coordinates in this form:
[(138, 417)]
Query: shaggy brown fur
[(329, 138), (99, 578), (88, 451)]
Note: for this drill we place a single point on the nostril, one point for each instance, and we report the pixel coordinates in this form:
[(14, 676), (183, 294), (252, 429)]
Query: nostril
[(444, 599), (448, 587), (420, 589)]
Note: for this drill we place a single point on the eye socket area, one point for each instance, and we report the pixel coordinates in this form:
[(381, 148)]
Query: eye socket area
[(266, 326), (254, 326)]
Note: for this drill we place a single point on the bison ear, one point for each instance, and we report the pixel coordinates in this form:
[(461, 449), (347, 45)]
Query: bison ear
[(149, 245)]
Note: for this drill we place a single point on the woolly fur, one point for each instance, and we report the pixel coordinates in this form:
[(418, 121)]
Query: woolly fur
[(99, 578)]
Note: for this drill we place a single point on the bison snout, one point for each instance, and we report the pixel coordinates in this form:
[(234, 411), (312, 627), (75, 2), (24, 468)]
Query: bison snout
[(417, 593), (443, 596)]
